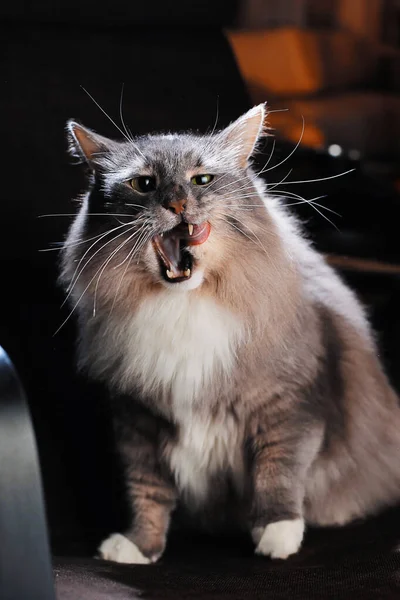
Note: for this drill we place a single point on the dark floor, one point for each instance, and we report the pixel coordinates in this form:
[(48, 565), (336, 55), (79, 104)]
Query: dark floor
[(356, 562)]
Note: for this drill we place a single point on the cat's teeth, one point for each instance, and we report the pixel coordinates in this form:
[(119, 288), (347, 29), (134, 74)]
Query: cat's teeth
[(187, 272), (170, 274), (190, 227), (161, 235)]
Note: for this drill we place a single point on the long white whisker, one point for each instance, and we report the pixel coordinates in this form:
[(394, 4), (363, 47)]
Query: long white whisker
[(83, 293), (102, 236), (270, 156), (325, 207), (143, 227), (128, 134), (104, 266), (130, 256), (269, 112), (216, 118), (103, 214), (264, 170), (211, 140), (105, 113), (135, 205), (237, 180), (314, 205), (75, 277), (81, 241), (112, 121), (255, 241), (316, 180), (269, 188), (244, 233), (313, 201)]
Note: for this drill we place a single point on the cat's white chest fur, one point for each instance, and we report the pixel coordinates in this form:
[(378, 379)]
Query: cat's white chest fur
[(177, 344)]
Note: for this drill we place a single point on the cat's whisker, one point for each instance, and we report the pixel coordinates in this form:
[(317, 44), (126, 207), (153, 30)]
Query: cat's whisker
[(219, 179), (128, 134), (104, 266), (103, 214), (271, 153), (140, 231), (322, 215), (316, 180), (236, 181), (244, 233), (64, 244), (255, 241), (147, 236), (113, 122), (264, 170), (79, 300), (76, 275), (258, 242), (311, 203), (89, 284), (211, 139), (276, 110), (325, 207), (101, 236), (274, 185), (216, 118), (144, 236), (314, 205), (134, 205), (286, 195), (241, 196)]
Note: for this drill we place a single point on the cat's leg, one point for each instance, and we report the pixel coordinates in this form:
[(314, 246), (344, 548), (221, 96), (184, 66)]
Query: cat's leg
[(144, 542), (280, 461), (152, 497)]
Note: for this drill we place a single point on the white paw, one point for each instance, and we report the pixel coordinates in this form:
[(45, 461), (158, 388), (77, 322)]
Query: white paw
[(280, 539), (119, 549)]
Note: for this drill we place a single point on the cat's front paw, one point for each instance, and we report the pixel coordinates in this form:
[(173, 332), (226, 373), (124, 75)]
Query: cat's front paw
[(119, 549), (280, 539)]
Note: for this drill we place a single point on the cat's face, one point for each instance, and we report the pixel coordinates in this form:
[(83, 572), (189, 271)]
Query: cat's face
[(165, 210)]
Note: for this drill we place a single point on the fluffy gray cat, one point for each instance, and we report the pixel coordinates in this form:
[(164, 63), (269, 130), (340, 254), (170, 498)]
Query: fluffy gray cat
[(244, 377)]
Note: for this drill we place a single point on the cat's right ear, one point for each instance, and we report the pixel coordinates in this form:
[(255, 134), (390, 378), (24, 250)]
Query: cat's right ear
[(85, 144), (241, 137)]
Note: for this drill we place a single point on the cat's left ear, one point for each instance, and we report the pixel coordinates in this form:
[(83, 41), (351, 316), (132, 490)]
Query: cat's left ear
[(86, 144), (241, 136)]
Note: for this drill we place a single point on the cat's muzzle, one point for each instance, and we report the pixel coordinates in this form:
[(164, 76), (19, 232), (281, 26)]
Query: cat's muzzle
[(176, 262)]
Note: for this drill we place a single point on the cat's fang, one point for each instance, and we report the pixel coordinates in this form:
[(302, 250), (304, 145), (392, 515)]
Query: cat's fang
[(187, 273), (190, 228), (170, 274)]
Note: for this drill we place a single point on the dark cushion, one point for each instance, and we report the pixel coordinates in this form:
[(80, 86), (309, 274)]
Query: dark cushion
[(360, 562)]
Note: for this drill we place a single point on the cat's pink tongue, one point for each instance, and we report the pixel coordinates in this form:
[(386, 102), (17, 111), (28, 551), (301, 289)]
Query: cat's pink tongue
[(177, 263), (194, 235)]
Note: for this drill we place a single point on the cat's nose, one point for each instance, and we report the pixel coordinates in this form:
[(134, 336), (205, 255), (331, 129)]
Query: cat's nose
[(176, 206)]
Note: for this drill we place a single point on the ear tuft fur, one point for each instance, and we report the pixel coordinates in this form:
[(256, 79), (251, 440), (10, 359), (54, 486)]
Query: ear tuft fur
[(242, 136), (83, 143)]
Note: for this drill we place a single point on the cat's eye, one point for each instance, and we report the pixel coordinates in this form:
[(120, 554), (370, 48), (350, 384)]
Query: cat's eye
[(202, 179), (143, 184)]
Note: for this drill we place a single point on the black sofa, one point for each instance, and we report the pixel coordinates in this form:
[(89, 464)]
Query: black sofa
[(176, 68)]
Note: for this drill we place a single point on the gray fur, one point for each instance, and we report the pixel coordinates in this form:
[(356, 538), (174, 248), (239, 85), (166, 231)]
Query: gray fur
[(257, 378)]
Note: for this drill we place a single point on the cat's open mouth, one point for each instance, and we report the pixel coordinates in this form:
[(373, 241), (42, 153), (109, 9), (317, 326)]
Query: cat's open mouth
[(176, 262)]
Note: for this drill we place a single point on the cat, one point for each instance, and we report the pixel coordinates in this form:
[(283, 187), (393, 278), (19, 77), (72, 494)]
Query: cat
[(243, 374)]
